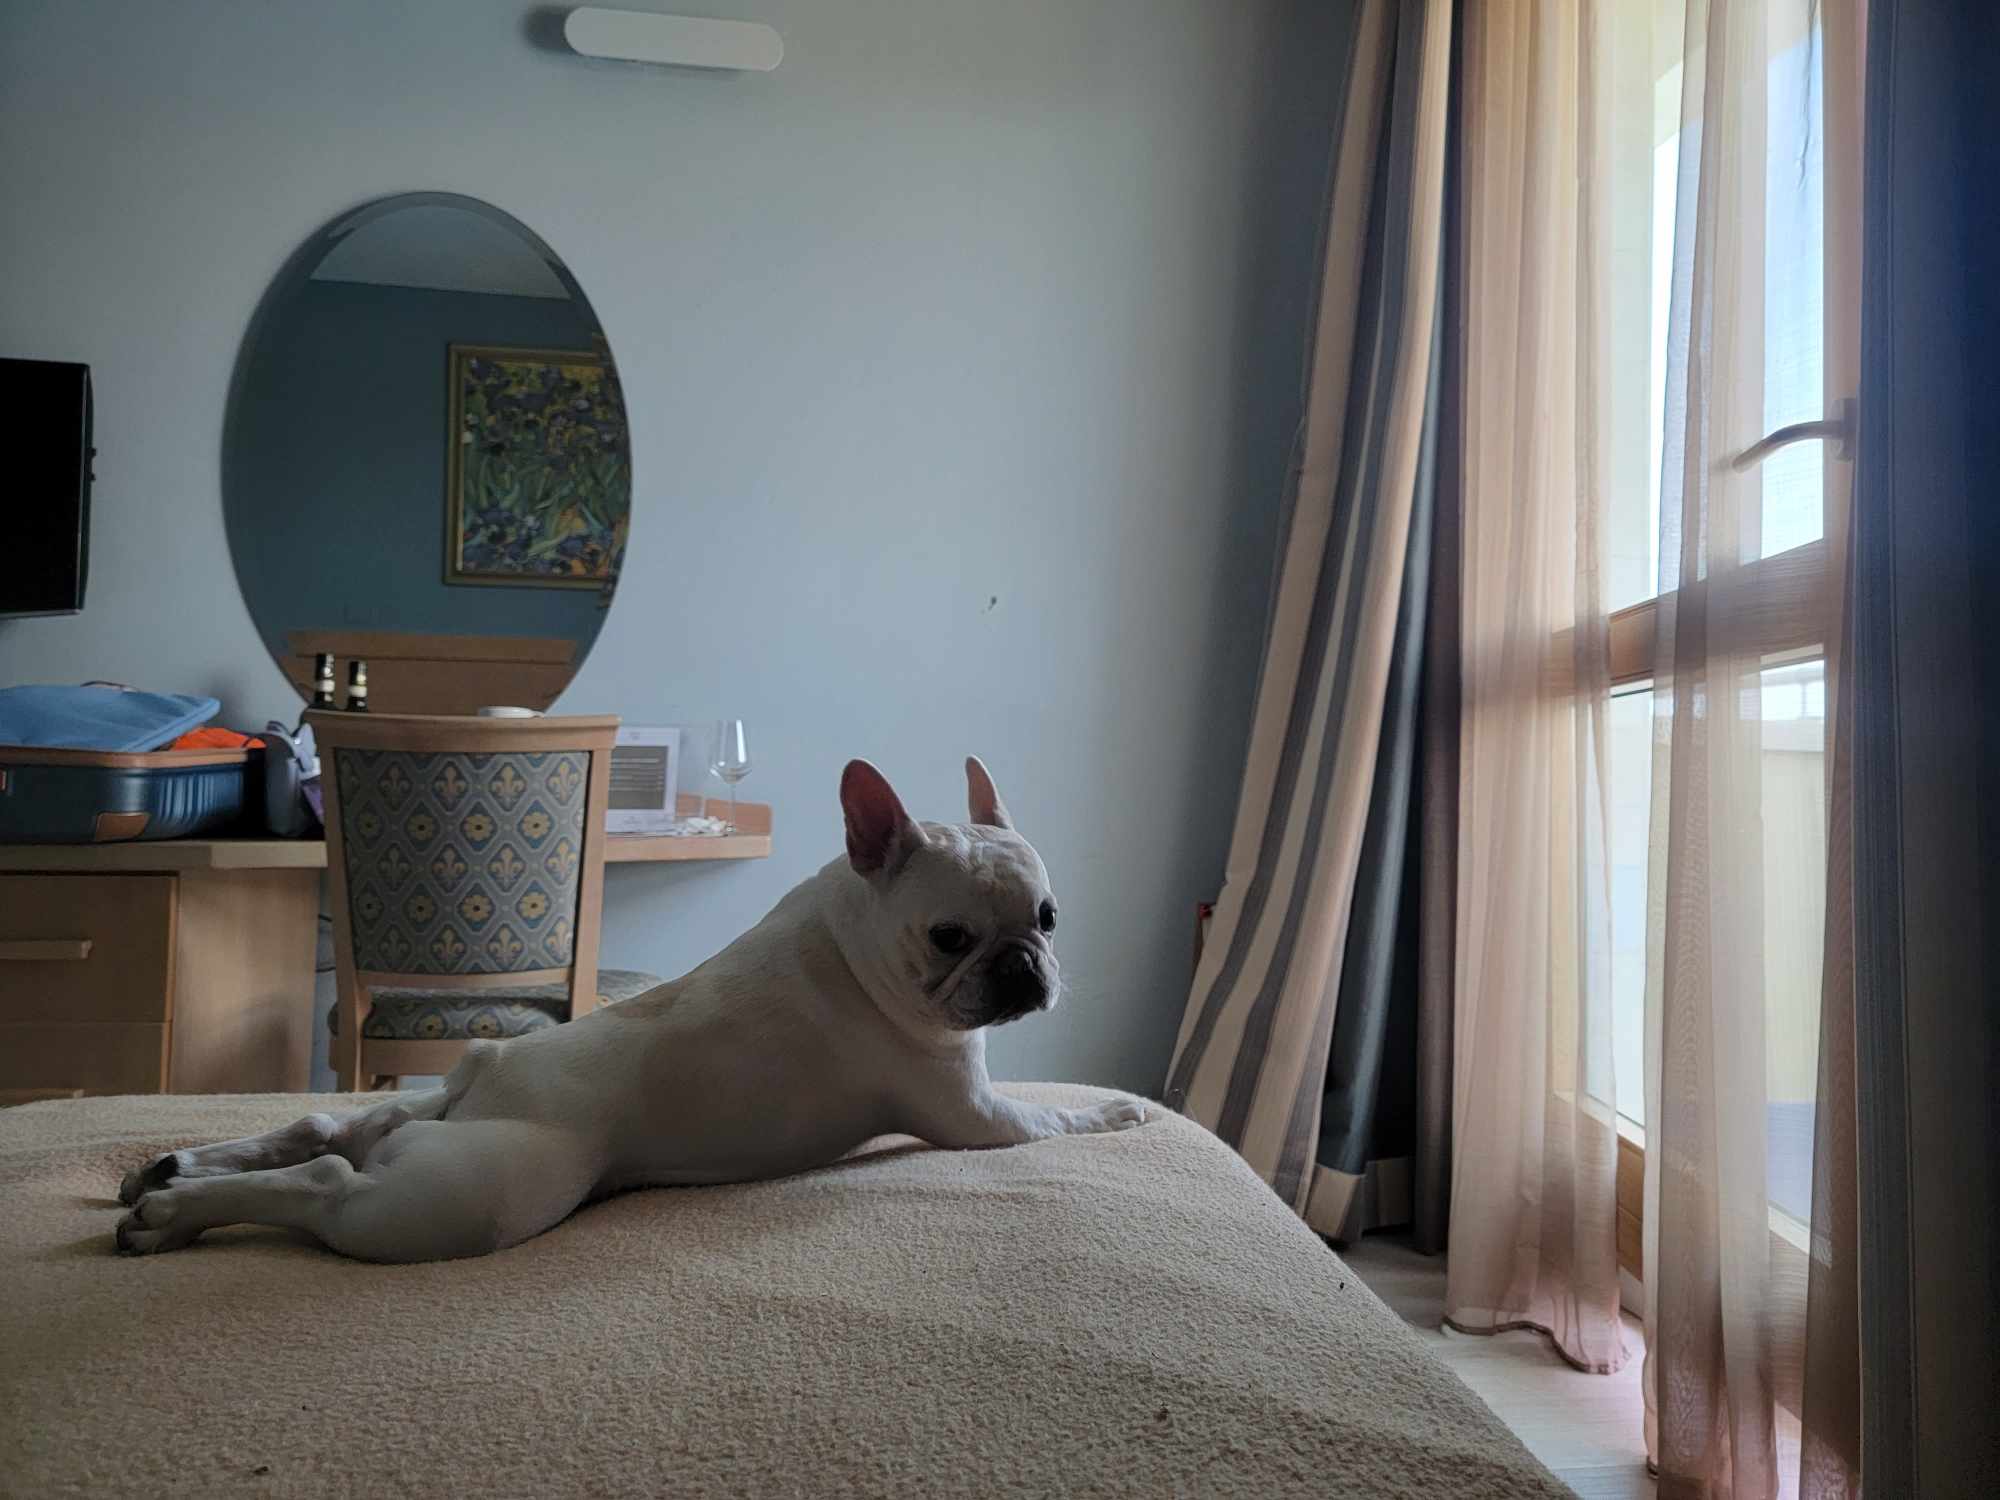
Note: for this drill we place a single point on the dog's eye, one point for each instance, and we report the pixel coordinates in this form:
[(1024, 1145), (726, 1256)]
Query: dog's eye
[(949, 937), (1048, 916)]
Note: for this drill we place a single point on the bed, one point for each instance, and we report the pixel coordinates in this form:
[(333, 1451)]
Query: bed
[(1106, 1315)]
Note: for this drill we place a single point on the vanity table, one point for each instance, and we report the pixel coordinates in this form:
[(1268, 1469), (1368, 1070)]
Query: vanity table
[(186, 966), (426, 467)]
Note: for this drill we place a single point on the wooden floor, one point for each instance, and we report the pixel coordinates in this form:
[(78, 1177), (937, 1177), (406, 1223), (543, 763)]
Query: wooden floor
[(1588, 1428)]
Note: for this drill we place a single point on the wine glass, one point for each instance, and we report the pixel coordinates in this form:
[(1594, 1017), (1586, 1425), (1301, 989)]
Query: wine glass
[(729, 758)]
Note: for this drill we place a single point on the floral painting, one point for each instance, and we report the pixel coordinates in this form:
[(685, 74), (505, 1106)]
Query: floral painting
[(540, 470)]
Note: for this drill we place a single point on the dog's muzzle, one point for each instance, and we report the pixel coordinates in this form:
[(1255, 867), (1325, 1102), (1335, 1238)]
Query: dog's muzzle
[(1016, 986)]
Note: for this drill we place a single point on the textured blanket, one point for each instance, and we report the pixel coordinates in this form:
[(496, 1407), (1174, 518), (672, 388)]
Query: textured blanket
[(1128, 1314)]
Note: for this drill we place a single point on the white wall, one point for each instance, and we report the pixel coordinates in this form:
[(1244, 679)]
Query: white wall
[(962, 353)]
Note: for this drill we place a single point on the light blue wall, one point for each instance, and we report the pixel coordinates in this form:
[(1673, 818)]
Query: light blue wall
[(962, 354), (342, 463)]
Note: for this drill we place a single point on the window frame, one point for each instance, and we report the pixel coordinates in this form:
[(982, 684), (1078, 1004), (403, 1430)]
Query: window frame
[(1789, 615)]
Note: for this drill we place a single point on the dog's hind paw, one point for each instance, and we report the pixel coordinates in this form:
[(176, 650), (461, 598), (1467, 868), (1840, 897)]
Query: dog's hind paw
[(156, 1174), (150, 1227)]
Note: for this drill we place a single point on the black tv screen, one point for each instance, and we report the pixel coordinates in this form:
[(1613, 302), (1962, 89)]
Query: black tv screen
[(48, 494)]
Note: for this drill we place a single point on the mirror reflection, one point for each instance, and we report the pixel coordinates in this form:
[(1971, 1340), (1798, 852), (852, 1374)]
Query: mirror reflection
[(427, 463)]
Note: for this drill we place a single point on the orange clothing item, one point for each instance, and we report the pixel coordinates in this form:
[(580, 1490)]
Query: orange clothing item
[(216, 739)]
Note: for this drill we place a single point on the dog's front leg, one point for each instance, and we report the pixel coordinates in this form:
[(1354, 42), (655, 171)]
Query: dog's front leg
[(986, 1119)]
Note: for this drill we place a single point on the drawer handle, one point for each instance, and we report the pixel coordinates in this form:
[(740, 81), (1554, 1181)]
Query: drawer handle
[(44, 950)]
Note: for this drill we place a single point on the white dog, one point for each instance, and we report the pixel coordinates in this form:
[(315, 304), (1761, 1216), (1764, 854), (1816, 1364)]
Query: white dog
[(855, 1009)]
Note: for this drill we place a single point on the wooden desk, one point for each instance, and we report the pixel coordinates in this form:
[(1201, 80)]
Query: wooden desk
[(186, 966), (178, 966), (165, 855)]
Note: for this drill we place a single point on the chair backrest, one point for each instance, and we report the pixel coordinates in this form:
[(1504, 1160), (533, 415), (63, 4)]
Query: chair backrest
[(466, 853)]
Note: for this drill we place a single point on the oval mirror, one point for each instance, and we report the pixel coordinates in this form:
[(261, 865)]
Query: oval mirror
[(425, 461)]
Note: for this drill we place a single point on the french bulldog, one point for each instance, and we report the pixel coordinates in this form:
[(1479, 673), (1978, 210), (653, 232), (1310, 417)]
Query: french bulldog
[(858, 1007)]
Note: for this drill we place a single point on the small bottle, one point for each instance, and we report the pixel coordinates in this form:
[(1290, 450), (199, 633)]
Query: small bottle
[(323, 681), (357, 686)]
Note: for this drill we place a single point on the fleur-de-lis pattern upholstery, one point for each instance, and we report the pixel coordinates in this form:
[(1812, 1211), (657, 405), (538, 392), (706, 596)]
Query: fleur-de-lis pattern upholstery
[(407, 1015), (462, 863)]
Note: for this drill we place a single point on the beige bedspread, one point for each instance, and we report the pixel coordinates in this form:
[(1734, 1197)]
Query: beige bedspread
[(1129, 1314)]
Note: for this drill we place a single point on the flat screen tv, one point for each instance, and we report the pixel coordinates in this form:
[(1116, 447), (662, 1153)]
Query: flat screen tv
[(47, 496)]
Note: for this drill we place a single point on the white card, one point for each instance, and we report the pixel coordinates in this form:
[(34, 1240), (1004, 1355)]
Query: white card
[(645, 775)]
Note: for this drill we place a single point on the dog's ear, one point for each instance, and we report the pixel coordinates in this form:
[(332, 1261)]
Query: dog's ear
[(982, 798), (880, 835)]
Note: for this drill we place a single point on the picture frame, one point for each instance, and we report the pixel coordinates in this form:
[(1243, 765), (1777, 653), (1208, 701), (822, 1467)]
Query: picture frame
[(538, 470)]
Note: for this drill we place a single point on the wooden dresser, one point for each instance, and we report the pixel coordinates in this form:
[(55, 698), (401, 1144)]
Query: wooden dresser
[(180, 966)]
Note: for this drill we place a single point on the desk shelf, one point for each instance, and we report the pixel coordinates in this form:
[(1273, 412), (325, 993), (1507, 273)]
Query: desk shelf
[(751, 841)]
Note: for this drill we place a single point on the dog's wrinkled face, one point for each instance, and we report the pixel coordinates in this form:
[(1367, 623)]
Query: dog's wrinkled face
[(977, 925), (964, 911)]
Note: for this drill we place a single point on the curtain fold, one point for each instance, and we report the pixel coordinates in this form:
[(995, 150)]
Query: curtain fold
[(1362, 1179), (1437, 796), (1750, 1284), (1251, 1058), (1926, 750), (1830, 1413), (1534, 1144)]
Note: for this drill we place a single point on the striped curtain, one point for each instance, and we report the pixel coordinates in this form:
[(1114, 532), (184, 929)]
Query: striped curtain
[(1251, 1062)]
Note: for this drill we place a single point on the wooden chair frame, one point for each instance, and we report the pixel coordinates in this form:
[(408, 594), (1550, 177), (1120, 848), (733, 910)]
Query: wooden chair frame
[(356, 1058)]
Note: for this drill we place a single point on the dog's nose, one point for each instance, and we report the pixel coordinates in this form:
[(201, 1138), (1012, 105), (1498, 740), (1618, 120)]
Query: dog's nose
[(1019, 976)]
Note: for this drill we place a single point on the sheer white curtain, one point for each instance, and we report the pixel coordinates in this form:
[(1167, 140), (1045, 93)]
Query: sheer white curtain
[(1593, 131), (1534, 1137), (1750, 1042)]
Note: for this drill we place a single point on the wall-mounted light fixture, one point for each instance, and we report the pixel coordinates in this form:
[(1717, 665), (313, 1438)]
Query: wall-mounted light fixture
[(676, 41)]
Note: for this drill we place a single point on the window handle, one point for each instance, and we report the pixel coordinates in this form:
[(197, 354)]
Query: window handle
[(1839, 428)]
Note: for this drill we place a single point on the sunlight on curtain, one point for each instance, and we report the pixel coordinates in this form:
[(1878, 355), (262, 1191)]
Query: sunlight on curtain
[(1791, 513), (1534, 1142), (1648, 807), (1736, 841)]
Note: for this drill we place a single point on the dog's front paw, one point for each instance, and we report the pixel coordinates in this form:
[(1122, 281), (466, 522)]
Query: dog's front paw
[(1121, 1113), (157, 1173), (151, 1227)]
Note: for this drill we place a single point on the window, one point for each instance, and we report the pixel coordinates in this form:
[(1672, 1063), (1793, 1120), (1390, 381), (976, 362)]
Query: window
[(1782, 550), (1794, 799), (1630, 776)]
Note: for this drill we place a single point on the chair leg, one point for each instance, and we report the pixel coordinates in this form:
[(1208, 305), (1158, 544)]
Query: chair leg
[(347, 1045), (346, 1065)]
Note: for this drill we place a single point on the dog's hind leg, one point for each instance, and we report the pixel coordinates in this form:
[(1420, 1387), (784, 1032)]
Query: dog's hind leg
[(431, 1190), (297, 1196), (350, 1136)]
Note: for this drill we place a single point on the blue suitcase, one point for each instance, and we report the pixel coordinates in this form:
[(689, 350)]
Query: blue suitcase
[(103, 796)]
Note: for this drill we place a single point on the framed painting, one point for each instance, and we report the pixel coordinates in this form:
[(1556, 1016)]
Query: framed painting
[(539, 469)]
